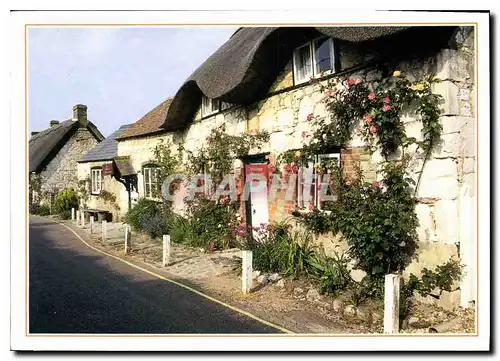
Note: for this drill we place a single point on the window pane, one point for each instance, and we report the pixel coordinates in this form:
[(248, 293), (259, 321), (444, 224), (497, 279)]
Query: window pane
[(303, 62), (215, 106), (323, 55)]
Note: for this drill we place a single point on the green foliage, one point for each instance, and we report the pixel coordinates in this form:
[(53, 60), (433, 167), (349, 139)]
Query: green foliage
[(287, 253), (441, 278), (39, 209), (167, 161), (381, 106), (108, 197), (217, 155), (377, 220), (154, 225), (331, 273), (139, 212), (207, 224), (65, 200)]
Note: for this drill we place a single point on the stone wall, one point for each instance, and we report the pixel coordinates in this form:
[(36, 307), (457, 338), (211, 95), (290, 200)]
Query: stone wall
[(62, 170)]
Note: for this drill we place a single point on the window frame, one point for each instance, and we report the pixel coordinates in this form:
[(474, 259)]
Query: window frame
[(96, 182), (313, 71), (207, 106), (147, 176), (316, 182)]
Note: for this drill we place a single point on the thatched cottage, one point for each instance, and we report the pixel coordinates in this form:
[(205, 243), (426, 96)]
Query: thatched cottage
[(54, 152), (260, 79)]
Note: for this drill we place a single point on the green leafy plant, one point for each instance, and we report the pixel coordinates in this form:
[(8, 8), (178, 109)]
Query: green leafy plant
[(39, 209), (442, 278), (65, 200), (217, 154), (108, 197), (140, 211), (331, 273), (285, 252)]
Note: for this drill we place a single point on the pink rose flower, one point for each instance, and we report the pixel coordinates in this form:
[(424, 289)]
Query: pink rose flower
[(386, 108), (288, 168), (295, 168), (373, 129), (357, 81), (350, 82), (371, 96), (386, 100), (376, 185), (303, 134), (368, 118), (309, 117)]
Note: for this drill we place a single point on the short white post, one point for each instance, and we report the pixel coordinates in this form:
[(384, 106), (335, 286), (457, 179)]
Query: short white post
[(82, 216), (246, 272), (91, 223), (72, 213), (104, 230), (166, 249), (77, 218), (128, 243), (391, 304)]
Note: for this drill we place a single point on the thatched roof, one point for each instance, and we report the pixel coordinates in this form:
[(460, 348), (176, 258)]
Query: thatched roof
[(149, 123), (45, 145), (243, 68), (105, 150)]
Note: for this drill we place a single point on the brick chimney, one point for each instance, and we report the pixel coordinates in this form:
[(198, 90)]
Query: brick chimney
[(54, 123), (80, 114)]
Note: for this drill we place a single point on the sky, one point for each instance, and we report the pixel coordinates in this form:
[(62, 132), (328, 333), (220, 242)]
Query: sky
[(119, 73)]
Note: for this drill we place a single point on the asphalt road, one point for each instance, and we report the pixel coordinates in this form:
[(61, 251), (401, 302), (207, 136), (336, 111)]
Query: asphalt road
[(74, 289)]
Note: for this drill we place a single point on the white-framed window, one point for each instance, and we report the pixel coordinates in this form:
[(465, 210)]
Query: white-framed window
[(313, 59), (209, 106), (313, 182), (96, 180), (152, 186)]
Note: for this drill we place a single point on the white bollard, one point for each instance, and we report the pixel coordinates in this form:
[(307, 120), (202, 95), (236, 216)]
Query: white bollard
[(391, 304), (82, 218), (72, 213), (91, 223), (128, 243), (104, 230), (77, 217), (246, 272), (166, 249)]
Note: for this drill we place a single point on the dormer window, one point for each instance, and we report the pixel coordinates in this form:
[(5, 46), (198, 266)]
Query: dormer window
[(313, 59), (211, 106)]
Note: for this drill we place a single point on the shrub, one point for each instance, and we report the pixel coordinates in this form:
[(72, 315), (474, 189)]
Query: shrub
[(210, 221), (331, 273), (39, 209), (139, 212), (282, 252), (154, 225), (65, 200)]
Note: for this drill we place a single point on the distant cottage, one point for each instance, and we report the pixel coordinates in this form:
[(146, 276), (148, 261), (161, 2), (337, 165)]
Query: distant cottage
[(54, 152)]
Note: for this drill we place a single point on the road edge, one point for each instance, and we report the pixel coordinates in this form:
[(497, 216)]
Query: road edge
[(163, 278)]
